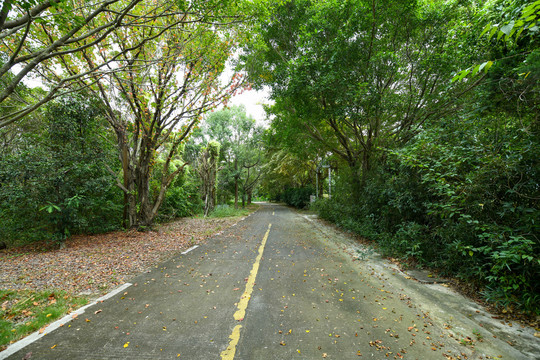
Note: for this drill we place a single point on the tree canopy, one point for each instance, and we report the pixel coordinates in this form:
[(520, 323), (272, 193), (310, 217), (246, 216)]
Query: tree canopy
[(422, 117)]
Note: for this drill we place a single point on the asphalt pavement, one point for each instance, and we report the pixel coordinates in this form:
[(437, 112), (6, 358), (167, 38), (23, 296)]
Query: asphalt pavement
[(277, 285)]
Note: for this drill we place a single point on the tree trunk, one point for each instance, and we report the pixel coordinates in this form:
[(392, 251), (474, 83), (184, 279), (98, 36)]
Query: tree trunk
[(236, 183), (125, 169), (145, 216), (208, 169)]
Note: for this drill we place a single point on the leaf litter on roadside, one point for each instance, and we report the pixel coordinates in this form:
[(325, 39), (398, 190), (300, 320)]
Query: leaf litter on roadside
[(92, 264)]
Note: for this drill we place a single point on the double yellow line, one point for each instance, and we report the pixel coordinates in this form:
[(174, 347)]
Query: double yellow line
[(228, 354)]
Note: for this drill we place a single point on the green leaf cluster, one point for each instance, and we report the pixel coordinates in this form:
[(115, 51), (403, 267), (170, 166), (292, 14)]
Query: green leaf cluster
[(53, 181)]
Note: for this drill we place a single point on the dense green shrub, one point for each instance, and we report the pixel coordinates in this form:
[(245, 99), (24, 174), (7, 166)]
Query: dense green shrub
[(462, 197), (183, 198), (298, 197), (54, 182)]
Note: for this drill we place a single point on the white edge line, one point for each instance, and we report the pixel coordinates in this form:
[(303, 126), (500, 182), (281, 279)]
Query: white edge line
[(190, 249), (58, 323)]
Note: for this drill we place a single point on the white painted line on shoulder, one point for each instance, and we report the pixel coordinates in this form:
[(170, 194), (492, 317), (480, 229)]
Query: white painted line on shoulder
[(190, 249), (12, 349)]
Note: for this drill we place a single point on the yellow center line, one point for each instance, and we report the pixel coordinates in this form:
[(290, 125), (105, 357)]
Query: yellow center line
[(228, 354)]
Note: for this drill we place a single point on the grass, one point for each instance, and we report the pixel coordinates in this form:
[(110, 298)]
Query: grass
[(23, 312), (222, 211)]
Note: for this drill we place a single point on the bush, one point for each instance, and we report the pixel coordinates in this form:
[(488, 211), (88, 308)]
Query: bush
[(461, 197), (181, 200), (298, 197), (54, 181)]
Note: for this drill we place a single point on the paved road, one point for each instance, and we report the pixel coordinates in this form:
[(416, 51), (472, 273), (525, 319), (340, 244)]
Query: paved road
[(275, 286)]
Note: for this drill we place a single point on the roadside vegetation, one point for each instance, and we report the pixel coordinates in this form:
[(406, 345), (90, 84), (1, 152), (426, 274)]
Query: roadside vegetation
[(415, 124), (425, 115), (23, 311)]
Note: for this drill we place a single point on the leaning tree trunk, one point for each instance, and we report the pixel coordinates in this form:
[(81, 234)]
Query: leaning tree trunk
[(140, 207)]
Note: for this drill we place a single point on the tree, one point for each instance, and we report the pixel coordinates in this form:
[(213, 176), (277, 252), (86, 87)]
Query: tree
[(36, 34), (208, 171), (241, 151), (251, 163), (53, 180), (356, 76), (455, 190), (163, 90)]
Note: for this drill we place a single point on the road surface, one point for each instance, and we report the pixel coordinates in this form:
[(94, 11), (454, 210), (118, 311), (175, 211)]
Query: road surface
[(279, 285)]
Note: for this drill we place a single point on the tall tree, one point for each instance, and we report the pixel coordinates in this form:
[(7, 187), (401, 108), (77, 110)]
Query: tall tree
[(356, 75), (208, 171), (163, 90), (240, 139)]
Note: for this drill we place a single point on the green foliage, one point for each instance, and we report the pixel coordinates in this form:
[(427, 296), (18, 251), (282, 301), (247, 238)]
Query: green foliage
[(183, 196), (462, 197), (526, 21), (221, 211), (298, 197), (52, 179), (516, 24), (350, 77)]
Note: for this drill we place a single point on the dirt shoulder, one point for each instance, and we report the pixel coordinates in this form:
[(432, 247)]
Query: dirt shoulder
[(93, 264)]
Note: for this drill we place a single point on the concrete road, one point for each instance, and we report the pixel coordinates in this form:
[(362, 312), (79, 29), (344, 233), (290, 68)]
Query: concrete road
[(279, 285)]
